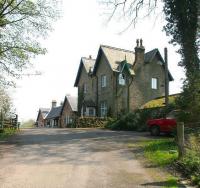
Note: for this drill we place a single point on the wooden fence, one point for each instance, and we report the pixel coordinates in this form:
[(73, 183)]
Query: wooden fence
[(11, 122)]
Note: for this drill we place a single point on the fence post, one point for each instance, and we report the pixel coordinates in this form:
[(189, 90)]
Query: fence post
[(2, 120), (181, 140)]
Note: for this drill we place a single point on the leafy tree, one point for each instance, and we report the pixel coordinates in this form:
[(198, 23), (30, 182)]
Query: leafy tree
[(5, 102), (22, 24), (183, 26)]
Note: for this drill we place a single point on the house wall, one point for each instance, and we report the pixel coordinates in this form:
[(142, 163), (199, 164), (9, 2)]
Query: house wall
[(40, 120), (140, 90), (116, 96), (90, 81), (106, 94), (121, 99), (67, 112)]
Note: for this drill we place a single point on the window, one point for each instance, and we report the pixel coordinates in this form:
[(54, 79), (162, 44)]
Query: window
[(154, 83), (68, 120), (103, 81), (122, 80), (84, 88), (103, 108), (91, 112)]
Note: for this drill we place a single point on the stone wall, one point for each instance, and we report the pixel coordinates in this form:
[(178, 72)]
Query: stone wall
[(91, 93), (89, 122), (67, 111), (140, 90), (40, 121), (105, 93)]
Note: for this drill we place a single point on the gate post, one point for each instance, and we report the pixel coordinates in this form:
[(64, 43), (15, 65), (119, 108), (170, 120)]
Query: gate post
[(2, 120), (181, 139)]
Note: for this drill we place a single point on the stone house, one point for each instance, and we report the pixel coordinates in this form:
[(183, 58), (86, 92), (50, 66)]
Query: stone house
[(58, 116), (42, 113), (86, 83), (119, 80), (53, 117), (69, 111)]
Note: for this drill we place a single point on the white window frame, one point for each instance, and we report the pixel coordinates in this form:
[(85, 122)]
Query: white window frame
[(103, 108), (122, 79), (103, 81), (84, 88), (154, 83)]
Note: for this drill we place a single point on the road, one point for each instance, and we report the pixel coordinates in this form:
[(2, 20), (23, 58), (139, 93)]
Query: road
[(74, 158)]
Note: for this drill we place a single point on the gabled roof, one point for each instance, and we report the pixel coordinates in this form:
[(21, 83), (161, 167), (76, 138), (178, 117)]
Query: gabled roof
[(73, 101), (149, 56), (114, 57), (88, 64), (44, 112), (128, 67), (54, 112)]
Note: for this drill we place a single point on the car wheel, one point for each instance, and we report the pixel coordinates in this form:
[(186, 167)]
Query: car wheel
[(155, 131)]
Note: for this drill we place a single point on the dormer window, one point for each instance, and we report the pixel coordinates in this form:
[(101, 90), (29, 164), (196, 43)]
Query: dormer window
[(122, 80)]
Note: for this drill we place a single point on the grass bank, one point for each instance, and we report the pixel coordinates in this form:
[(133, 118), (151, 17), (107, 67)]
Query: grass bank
[(163, 153), (160, 152), (6, 133)]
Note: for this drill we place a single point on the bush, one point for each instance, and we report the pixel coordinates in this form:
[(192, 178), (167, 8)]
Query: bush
[(136, 121)]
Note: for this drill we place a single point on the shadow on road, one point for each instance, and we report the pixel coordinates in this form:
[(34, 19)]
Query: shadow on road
[(43, 146)]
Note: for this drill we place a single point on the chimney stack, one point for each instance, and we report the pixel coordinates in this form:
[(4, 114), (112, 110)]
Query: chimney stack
[(139, 51), (53, 104)]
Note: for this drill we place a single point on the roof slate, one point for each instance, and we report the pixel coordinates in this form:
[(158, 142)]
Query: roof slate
[(150, 55), (73, 101), (88, 63), (116, 55), (54, 112)]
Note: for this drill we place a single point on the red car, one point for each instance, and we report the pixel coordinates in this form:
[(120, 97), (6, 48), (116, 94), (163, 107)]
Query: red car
[(164, 125)]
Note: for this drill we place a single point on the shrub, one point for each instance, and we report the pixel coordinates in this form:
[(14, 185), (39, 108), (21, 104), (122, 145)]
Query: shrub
[(136, 121)]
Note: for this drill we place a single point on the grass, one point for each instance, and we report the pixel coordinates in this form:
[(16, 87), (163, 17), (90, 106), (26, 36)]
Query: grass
[(160, 152), (6, 133), (172, 182)]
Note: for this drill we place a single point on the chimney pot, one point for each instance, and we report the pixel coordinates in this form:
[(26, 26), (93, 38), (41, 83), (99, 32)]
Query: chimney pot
[(141, 45), (137, 42), (54, 103), (139, 53)]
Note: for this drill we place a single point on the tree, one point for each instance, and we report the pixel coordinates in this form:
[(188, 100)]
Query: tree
[(22, 25), (5, 102), (183, 25)]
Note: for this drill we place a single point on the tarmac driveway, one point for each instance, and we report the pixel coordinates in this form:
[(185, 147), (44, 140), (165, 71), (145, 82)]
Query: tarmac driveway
[(74, 158)]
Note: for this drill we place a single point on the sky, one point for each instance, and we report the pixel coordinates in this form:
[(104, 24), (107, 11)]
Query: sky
[(80, 31)]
